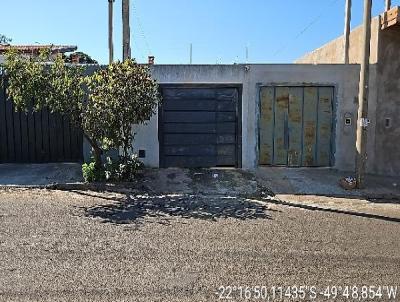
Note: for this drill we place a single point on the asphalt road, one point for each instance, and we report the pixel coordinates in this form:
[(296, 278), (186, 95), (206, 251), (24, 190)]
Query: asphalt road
[(60, 246)]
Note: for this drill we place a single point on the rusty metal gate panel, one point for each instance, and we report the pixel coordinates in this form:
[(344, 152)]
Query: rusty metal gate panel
[(267, 97), (310, 120), (324, 131), (296, 126), (281, 126)]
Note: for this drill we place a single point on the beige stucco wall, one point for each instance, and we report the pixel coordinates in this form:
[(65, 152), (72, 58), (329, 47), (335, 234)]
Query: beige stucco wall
[(387, 148), (333, 52)]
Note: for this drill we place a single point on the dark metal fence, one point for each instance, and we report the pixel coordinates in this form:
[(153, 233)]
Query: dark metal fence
[(36, 137)]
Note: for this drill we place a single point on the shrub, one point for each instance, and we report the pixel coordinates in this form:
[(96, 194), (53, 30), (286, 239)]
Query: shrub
[(91, 173), (123, 169), (121, 95)]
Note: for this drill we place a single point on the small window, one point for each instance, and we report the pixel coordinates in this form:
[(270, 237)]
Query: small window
[(347, 121)]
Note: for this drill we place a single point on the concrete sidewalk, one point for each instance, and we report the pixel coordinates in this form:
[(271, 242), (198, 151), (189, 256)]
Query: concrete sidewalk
[(318, 189), (324, 182), (315, 188), (40, 174)]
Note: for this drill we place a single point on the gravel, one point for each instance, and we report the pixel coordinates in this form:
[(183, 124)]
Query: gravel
[(86, 246)]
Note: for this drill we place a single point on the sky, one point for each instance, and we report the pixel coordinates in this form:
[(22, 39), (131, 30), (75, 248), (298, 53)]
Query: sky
[(273, 31)]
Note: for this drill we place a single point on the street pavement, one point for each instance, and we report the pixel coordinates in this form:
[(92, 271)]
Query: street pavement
[(87, 246)]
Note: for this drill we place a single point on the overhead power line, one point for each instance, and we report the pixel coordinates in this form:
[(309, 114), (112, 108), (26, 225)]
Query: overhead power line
[(307, 27), (140, 27), (139, 50)]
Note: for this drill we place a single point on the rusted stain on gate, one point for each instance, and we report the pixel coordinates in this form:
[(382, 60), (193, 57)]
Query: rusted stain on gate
[(296, 126), (266, 123), (280, 129), (325, 112), (310, 126)]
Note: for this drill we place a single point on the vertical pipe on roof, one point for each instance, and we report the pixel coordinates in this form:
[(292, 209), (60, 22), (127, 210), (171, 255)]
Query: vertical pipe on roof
[(388, 5), (347, 25), (110, 30), (126, 35)]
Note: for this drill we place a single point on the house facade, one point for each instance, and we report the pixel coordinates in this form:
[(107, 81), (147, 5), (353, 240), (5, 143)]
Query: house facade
[(295, 115), (245, 115), (384, 86), (248, 115), (252, 114)]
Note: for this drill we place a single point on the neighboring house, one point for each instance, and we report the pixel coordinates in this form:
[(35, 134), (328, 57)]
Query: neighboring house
[(79, 58), (34, 50), (384, 86)]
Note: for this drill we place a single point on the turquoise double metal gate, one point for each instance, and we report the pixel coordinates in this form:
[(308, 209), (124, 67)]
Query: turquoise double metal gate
[(295, 126)]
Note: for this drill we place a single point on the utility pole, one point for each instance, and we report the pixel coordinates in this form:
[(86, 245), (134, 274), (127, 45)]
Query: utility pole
[(191, 54), (126, 31), (110, 30), (362, 124), (388, 5), (347, 25)]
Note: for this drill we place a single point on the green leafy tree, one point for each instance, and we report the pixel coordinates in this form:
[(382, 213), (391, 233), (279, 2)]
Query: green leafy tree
[(57, 86), (123, 94), (104, 105), (27, 78), (4, 39), (82, 58)]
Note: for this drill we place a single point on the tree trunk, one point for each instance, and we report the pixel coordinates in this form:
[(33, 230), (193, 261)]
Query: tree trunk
[(127, 142), (96, 151)]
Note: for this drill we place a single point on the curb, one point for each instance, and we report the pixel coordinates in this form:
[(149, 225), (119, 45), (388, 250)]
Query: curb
[(99, 187), (138, 186), (328, 209)]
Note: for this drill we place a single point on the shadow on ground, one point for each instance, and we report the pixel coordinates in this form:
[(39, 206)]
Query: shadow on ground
[(134, 209), (206, 194)]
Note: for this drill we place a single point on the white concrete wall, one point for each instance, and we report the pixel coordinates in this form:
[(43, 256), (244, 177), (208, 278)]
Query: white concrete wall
[(343, 78), (146, 138)]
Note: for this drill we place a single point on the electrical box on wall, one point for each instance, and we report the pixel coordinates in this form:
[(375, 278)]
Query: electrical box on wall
[(142, 153), (348, 119), (388, 122)]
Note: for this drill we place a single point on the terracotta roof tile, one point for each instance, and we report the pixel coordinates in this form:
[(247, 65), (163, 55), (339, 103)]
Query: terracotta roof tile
[(37, 48)]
